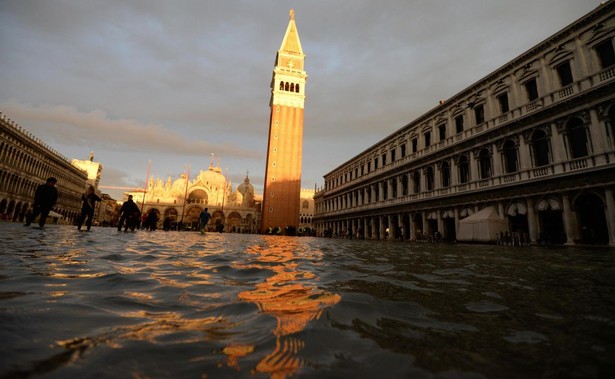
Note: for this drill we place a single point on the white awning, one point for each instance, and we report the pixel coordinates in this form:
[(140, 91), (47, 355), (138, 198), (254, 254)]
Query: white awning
[(448, 214), (55, 214), (516, 209), (465, 212), (432, 215), (549, 204)]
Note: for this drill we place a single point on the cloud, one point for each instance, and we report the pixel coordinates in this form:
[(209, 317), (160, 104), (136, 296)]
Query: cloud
[(65, 125)]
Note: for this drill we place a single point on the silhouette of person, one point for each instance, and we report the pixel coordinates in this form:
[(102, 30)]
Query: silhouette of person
[(45, 198), (129, 213), (204, 218), (89, 199)]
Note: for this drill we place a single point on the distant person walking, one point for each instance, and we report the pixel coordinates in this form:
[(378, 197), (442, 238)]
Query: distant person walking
[(204, 218), (152, 220), (129, 213), (89, 199), (45, 198)]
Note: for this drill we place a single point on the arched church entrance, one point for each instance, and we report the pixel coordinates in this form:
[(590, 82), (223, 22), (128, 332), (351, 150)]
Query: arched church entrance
[(217, 221), (191, 218), (592, 219), (233, 222)]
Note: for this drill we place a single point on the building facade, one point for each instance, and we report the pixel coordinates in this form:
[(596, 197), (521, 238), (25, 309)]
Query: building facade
[(25, 163), (527, 150), (182, 201), (282, 190)]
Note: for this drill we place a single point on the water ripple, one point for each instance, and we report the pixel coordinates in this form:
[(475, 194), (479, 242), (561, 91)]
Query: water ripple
[(160, 304)]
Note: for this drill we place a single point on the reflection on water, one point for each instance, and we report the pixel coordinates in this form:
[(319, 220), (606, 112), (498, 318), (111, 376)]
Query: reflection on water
[(168, 304), (289, 296)]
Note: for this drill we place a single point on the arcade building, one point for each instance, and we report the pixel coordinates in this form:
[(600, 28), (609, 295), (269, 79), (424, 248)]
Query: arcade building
[(529, 150)]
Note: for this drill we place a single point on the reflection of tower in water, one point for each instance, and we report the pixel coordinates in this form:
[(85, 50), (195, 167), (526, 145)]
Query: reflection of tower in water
[(291, 299)]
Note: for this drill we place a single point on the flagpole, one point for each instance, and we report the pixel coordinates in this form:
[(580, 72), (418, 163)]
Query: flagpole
[(185, 196), (149, 165)]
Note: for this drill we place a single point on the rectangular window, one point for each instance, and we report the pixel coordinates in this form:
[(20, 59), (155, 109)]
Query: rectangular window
[(393, 155), (605, 53), (415, 145), (479, 114), (375, 163), (565, 74), (427, 138), (384, 159), (459, 124), (531, 89), (503, 101), (362, 170), (369, 166), (403, 150), (442, 131)]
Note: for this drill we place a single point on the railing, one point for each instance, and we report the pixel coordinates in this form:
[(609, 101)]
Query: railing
[(565, 92), (578, 164), (547, 99), (607, 74), (510, 178), (542, 171)]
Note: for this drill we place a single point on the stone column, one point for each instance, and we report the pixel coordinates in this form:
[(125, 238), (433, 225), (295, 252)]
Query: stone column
[(456, 221), (570, 224), (524, 154), (412, 228), (531, 220)]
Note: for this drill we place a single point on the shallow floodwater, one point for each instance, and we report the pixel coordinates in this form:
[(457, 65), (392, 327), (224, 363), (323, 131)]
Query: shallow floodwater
[(160, 304)]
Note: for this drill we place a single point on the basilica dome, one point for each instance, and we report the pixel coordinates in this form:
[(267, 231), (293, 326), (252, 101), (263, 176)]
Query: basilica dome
[(246, 188), (212, 178)]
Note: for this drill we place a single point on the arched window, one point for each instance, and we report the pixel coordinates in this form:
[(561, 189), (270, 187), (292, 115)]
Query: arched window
[(511, 163), (385, 190), (404, 185), (416, 178), (577, 138), (540, 148), (292, 87), (306, 204), (429, 178), (484, 163), (464, 169), (394, 188), (286, 86), (281, 86), (445, 171), (297, 87)]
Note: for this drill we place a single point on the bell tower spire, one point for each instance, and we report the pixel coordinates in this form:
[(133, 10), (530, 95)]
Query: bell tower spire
[(282, 192)]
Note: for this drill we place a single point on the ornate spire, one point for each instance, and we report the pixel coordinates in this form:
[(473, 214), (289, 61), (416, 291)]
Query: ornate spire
[(291, 43)]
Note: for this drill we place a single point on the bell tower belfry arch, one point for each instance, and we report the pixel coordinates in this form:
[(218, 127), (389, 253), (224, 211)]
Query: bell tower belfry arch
[(282, 191)]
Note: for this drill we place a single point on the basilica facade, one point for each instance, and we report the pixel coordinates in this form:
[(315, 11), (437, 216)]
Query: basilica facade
[(182, 200), (528, 150)]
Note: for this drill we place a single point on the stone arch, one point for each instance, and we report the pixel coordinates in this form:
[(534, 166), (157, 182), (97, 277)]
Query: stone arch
[(590, 208)]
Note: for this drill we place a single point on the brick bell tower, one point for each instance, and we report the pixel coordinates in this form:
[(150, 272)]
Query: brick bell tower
[(281, 198)]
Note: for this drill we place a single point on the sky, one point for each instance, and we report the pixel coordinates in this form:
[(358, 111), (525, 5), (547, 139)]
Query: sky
[(181, 83)]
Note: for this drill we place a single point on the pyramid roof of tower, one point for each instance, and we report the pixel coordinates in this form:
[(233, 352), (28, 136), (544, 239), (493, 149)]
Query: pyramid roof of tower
[(291, 43)]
